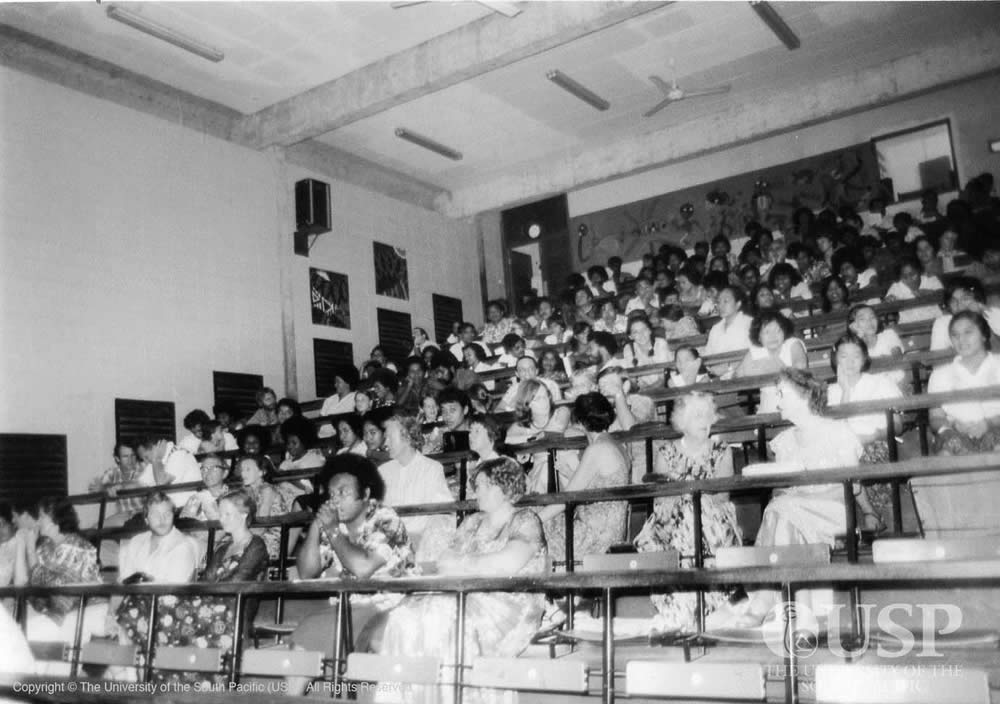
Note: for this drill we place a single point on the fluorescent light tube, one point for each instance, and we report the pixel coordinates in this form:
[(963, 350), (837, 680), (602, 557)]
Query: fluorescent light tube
[(429, 144), (155, 29), (580, 91)]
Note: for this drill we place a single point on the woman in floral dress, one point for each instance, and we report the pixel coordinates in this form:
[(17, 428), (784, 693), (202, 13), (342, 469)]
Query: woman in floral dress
[(499, 540), (695, 456)]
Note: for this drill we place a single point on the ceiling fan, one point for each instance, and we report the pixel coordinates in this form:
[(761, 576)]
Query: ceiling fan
[(672, 92), (508, 9)]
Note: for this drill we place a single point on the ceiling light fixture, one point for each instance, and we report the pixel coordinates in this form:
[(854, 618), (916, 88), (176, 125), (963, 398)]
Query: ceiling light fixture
[(777, 25), (155, 29), (581, 92), (430, 144)]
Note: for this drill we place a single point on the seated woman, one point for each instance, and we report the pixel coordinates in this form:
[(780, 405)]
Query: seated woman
[(161, 554), (552, 367), (611, 320), (835, 295), (690, 369), (497, 324), (203, 506), (811, 513), (301, 453), (690, 293), (695, 456), (350, 433), (52, 554), (850, 361), (268, 501), (786, 283), (484, 438), (974, 426), (774, 348), (676, 323), (499, 540), (537, 418), (596, 526), (579, 356), (374, 435), (732, 332), (354, 536), (643, 349), (911, 282), (411, 478), (216, 439), (206, 621), (880, 342), (960, 505), (473, 362), (345, 380), (253, 440)]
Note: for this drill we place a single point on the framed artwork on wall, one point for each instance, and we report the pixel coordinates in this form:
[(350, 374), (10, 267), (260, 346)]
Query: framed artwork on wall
[(391, 277), (330, 298)]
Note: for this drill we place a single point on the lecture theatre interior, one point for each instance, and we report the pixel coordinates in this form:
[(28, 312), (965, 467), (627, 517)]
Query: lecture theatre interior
[(491, 351)]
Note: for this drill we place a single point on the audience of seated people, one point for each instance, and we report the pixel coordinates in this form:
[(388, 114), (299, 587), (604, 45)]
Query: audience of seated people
[(377, 437)]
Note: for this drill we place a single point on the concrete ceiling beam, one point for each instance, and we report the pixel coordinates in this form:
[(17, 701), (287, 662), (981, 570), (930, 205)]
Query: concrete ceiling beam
[(464, 53), (73, 69), (759, 117), (81, 72), (343, 166)]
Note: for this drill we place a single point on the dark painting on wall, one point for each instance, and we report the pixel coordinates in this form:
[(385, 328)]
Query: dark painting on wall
[(845, 177), (391, 278), (330, 297)]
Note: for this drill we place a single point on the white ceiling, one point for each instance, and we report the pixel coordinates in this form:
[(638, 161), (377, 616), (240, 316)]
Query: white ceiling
[(512, 117)]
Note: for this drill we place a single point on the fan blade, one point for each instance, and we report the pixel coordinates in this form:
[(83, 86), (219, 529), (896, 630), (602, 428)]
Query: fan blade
[(660, 83), (406, 3), (659, 106), (719, 90), (507, 9)]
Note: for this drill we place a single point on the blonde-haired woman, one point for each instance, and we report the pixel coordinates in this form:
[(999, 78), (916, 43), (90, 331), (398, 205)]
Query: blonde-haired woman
[(696, 455)]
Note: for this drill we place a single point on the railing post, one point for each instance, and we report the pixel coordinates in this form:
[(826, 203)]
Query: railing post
[(74, 660), (460, 646), (852, 522), (608, 683), (552, 483), (237, 654), (151, 636), (791, 660), (699, 558), (338, 639), (463, 478), (568, 515)]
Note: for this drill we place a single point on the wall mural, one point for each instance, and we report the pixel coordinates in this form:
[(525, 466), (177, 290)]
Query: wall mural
[(847, 176), (391, 277), (330, 297)]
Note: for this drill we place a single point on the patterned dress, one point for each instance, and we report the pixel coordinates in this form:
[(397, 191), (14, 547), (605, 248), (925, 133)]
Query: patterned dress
[(596, 526), (71, 561), (671, 527), (383, 534), (279, 506), (203, 621), (497, 624)]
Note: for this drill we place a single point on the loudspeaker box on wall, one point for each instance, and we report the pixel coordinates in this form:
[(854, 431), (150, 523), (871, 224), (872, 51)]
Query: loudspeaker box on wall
[(312, 212)]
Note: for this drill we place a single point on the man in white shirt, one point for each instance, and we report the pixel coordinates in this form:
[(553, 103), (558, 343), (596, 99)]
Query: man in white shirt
[(410, 478), (170, 464), (162, 553)]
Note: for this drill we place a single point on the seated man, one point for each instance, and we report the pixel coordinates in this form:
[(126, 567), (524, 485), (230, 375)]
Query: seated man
[(170, 464), (161, 554), (123, 475), (456, 407), (514, 348)]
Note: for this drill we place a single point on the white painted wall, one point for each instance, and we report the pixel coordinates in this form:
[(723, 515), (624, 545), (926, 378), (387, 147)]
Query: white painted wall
[(441, 256), (137, 256), (972, 107)]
